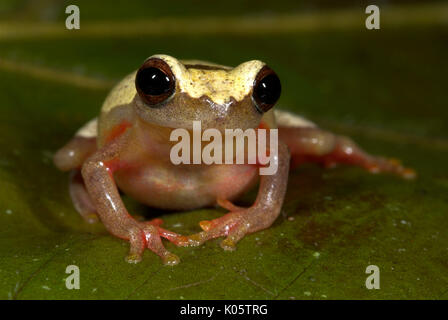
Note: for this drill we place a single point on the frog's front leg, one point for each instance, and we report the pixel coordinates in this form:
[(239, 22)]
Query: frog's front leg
[(241, 221), (312, 144), (97, 172)]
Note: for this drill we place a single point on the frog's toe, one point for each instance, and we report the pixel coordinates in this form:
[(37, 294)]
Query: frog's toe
[(197, 239), (133, 258), (90, 217), (391, 165), (409, 173), (228, 244), (170, 259), (234, 226), (148, 235), (178, 239), (406, 173), (234, 235), (226, 204)]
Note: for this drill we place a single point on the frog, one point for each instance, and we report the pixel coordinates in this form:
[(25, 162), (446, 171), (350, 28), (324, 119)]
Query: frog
[(126, 150)]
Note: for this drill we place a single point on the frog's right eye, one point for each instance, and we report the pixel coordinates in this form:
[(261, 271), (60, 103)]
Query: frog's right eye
[(155, 82)]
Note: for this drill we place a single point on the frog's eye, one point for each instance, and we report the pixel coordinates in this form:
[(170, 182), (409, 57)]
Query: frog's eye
[(267, 89), (155, 82)]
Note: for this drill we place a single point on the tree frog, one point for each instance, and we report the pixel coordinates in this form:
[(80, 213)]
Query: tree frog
[(127, 148)]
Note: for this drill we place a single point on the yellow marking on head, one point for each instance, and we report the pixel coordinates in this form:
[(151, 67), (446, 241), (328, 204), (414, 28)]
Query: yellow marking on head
[(218, 85), (123, 93)]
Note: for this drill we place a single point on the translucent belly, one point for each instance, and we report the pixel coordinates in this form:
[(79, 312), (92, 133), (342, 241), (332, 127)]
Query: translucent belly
[(185, 187)]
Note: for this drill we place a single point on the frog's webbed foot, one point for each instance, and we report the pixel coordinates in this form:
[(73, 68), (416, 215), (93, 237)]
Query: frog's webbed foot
[(233, 225), (148, 235), (390, 165), (346, 151), (175, 238)]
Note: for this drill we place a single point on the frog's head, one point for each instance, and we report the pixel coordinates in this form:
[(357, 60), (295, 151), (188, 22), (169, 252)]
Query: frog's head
[(173, 94)]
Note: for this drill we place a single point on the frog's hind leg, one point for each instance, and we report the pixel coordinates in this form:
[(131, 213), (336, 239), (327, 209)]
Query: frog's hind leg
[(71, 158), (76, 151), (80, 197), (308, 143)]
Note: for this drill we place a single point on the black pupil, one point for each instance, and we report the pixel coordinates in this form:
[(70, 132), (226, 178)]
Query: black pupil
[(268, 89), (153, 81)]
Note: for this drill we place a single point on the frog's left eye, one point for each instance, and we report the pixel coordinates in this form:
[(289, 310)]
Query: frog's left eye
[(155, 82), (267, 89)]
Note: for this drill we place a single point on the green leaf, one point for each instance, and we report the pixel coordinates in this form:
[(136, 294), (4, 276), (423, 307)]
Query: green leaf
[(385, 88)]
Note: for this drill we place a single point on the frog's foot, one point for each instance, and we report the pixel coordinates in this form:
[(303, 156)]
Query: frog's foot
[(148, 235), (80, 198), (233, 225), (178, 239), (346, 151), (391, 165)]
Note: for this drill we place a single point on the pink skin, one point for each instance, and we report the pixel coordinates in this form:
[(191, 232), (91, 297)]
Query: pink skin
[(322, 147), (128, 162)]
